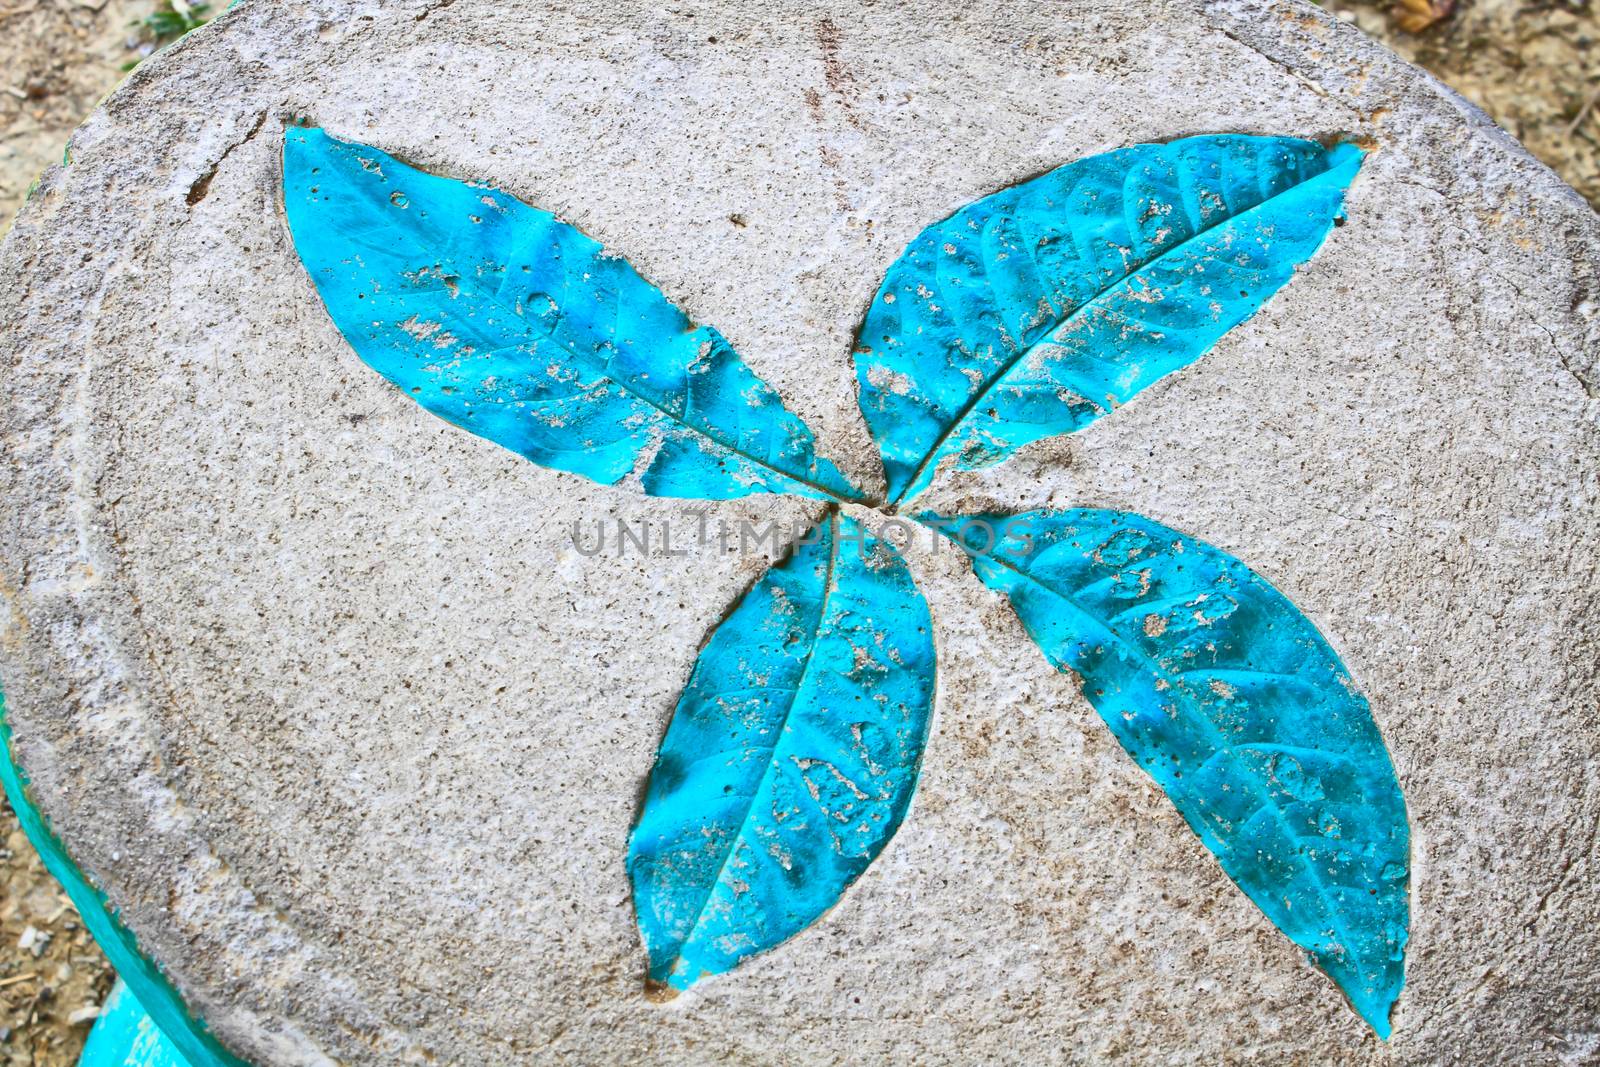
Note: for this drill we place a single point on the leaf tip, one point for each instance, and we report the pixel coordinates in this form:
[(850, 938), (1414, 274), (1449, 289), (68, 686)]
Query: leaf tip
[(1375, 1002), (1376, 1011), (1346, 157)]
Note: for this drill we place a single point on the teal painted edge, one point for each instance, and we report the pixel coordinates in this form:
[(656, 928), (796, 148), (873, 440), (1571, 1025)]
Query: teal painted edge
[(164, 1004), (126, 1036)]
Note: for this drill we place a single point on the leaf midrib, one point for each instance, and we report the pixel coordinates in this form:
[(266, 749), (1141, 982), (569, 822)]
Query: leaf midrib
[(1008, 365), (1216, 735), (493, 297), (828, 586)]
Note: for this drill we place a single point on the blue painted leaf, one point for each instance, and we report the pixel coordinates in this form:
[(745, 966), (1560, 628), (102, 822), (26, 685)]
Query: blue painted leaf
[(513, 325), (1037, 310), (1233, 702), (790, 760)]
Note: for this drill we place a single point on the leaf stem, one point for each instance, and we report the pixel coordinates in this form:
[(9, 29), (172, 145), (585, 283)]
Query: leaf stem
[(831, 518)]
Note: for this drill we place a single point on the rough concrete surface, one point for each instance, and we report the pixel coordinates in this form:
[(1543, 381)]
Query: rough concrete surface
[(1534, 65), (317, 688)]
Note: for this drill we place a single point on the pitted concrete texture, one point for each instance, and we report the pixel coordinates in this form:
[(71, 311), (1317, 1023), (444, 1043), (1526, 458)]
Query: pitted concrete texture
[(317, 688)]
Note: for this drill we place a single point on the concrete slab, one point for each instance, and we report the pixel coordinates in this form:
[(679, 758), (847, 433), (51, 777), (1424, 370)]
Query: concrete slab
[(319, 690)]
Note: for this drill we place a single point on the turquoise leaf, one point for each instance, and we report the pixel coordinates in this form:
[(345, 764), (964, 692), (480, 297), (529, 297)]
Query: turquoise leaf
[(1036, 310), (517, 327), (1226, 695), (790, 760)]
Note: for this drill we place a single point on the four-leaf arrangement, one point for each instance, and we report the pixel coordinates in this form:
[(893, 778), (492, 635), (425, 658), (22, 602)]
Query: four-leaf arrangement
[(794, 750)]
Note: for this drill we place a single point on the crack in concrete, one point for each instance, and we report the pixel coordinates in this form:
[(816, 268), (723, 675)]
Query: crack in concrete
[(202, 185), (1590, 388)]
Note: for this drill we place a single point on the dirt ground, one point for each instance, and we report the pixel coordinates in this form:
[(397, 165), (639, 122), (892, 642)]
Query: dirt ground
[(1533, 65), (52, 977), (58, 58)]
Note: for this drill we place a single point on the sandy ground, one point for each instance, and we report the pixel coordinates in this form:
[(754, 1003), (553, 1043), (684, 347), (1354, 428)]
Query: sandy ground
[(58, 58), (1534, 65), (52, 977)]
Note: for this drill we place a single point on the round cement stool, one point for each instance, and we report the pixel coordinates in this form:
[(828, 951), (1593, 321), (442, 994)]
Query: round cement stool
[(324, 696)]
